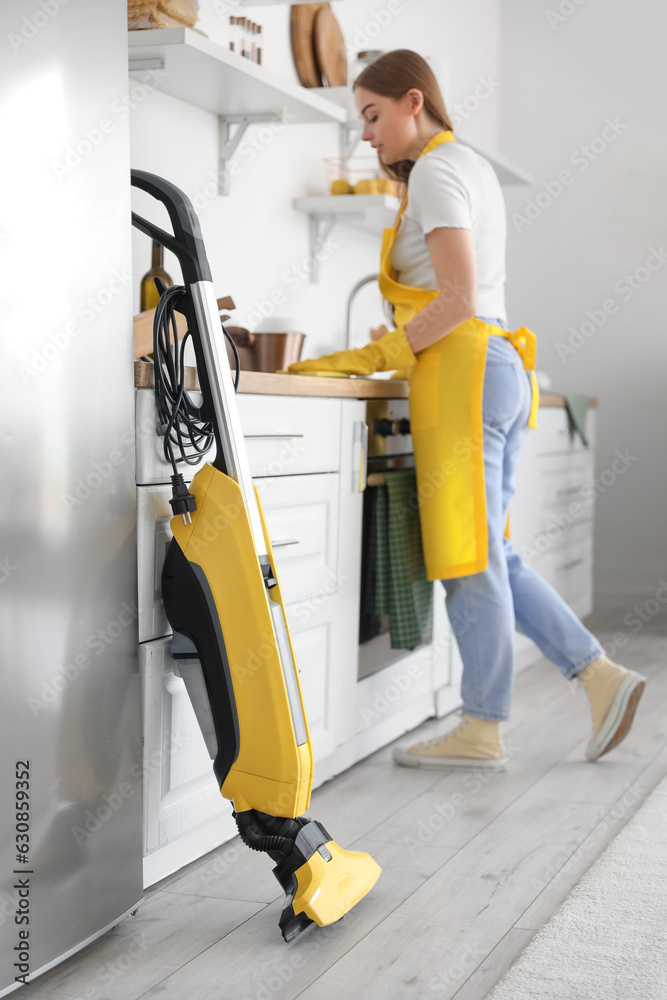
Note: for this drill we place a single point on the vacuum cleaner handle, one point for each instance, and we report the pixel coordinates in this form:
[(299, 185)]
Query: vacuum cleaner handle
[(186, 243)]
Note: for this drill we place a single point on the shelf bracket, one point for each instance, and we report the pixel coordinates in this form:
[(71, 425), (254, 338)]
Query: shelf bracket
[(320, 225), (349, 134), (228, 143)]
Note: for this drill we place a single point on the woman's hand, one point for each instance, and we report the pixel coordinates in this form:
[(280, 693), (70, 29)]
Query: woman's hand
[(379, 331)]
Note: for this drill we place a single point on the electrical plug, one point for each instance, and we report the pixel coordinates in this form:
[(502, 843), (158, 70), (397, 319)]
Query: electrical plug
[(182, 501)]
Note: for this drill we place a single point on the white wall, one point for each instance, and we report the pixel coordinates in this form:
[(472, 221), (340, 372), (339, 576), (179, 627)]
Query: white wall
[(554, 91), (255, 239), (562, 78)]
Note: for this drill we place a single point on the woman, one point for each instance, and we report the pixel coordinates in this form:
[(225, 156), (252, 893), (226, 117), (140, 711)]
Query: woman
[(473, 398)]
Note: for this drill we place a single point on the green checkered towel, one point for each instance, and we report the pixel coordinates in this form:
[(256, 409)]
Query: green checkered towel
[(401, 588)]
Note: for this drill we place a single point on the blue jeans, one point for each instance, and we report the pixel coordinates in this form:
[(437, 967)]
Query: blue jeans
[(485, 609)]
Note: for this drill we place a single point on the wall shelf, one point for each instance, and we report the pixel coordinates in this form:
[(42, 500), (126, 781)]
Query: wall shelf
[(370, 212), (191, 67), (508, 173)]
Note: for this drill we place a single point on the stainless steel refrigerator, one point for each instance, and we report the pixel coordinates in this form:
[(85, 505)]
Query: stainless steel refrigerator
[(70, 761)]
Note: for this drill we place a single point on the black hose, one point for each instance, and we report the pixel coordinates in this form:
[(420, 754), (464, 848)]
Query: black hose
[(257, 842)]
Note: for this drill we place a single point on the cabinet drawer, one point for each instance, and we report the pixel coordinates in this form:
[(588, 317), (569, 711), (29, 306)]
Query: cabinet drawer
[(554, 435), (151, 467), (573, 570), (564, 493), (290, 434), (561, 560), (302, 517), (283, 435)]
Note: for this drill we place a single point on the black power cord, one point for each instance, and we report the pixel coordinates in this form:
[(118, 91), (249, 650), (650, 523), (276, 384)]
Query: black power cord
[(179, 420)]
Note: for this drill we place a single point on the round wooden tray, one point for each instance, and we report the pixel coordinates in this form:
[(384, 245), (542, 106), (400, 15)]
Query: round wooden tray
[(330, 49), (302, 19)]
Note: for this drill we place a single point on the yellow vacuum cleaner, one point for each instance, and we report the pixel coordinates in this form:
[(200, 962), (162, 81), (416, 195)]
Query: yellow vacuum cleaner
[(222, 595)]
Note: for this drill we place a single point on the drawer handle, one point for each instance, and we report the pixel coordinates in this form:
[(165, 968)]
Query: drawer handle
[(284, 541), (273, 435), (565, 492), (570, 565)]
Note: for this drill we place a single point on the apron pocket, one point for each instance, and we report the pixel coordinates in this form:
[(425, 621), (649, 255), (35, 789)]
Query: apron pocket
[(424, 393)]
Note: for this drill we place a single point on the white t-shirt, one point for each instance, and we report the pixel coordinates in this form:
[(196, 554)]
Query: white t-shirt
[(453, 185)]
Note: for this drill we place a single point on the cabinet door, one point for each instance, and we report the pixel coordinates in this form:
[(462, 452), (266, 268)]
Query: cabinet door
[(180, 789), (302, 517)]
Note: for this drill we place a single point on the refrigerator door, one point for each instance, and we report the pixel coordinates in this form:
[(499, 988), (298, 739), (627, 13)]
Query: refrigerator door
[(70, 741)]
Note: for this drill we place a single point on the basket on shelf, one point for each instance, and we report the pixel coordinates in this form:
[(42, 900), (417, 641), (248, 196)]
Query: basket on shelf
[(359, 175), (143, 14)]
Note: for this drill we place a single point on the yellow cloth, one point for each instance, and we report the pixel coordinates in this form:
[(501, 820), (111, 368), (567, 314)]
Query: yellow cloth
[(383, 355), (446, 386)]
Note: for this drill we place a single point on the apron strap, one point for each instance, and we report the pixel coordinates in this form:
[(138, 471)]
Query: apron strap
[(525, 342)]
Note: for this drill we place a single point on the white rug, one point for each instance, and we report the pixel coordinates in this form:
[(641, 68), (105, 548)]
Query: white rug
[(608, 939)]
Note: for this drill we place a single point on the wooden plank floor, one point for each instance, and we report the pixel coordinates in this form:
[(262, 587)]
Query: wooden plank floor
[(473, 865)]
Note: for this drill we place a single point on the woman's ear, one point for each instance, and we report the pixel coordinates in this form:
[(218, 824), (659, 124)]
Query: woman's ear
[(416, 99)]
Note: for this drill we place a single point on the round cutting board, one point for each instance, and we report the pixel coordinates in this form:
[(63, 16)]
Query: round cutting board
[(330, 48), (302, 18)]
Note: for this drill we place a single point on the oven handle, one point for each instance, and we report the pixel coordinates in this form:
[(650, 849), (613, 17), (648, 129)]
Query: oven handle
[(360, 475)]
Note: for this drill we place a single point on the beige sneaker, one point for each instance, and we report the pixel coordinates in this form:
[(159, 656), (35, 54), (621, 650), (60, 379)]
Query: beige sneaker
[(614, 694), (473, 744)]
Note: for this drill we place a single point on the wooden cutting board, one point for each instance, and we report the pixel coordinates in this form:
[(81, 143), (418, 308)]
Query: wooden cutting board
[(330, 50), (302, 19), (143, 327)]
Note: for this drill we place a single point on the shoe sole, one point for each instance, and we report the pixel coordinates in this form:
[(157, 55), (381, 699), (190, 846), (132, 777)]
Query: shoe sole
[(618, 719), (461, 763)]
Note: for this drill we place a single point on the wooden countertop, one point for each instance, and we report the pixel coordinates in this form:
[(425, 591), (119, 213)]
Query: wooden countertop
[(267, 383)]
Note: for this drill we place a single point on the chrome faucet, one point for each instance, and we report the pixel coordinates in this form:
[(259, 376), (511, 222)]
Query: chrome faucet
[(359, 285)]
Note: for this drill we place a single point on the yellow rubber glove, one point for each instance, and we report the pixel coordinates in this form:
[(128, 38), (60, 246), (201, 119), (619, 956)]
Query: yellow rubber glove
[(390, 352)]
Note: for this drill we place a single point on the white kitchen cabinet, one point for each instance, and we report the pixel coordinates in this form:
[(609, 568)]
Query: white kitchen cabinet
[(552, 513), (185, 814), (306, 459), (295, 448)]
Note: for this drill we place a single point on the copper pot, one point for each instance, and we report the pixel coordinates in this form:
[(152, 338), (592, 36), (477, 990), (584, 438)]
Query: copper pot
[(264, 352), (272, 351), (244, 341)]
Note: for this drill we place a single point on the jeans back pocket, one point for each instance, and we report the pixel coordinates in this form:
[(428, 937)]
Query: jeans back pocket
[(503, 395)]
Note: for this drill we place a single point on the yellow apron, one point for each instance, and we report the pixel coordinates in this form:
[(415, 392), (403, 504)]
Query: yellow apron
[(446, 387)]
